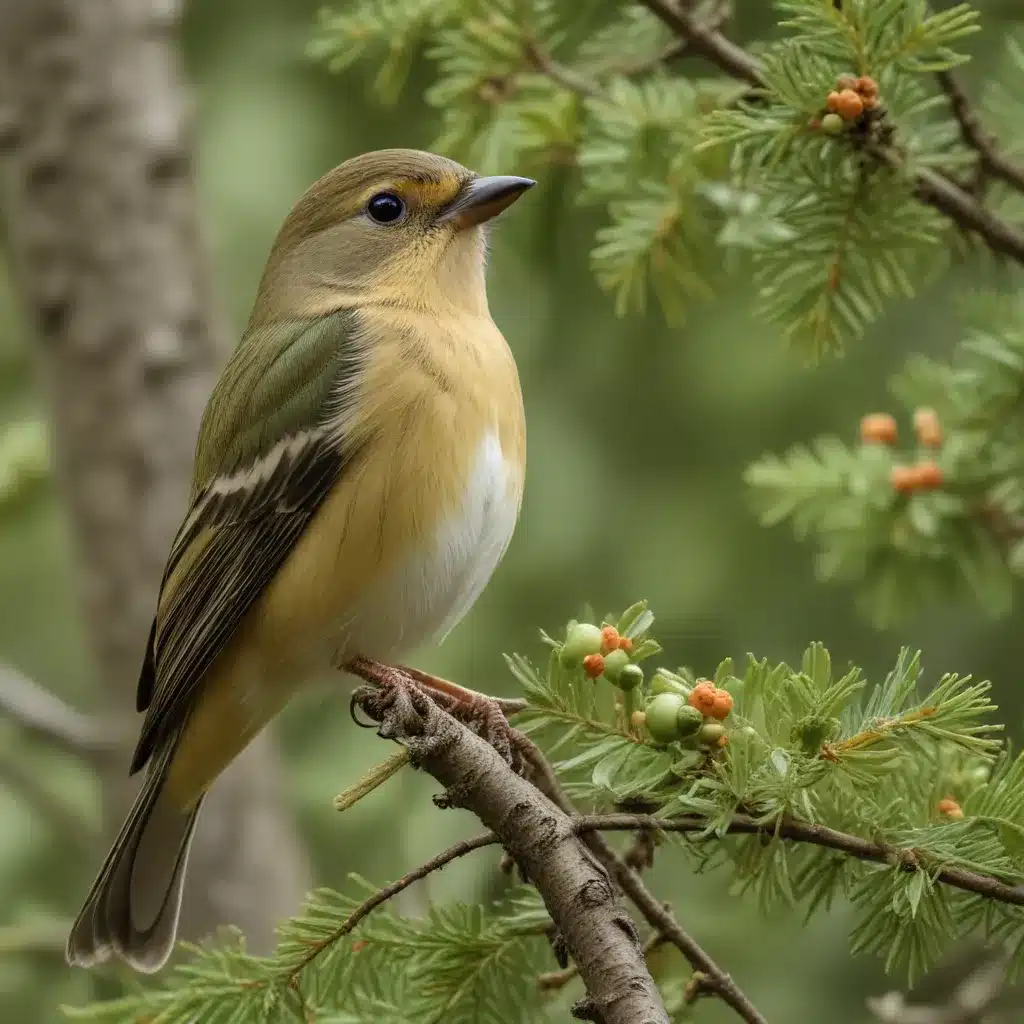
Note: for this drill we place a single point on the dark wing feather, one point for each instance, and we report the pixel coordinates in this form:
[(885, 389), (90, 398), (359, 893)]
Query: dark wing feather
[(242, 525)]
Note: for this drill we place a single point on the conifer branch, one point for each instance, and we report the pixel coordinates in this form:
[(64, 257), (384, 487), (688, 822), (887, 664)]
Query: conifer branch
[(577, 892), (709, 976), (388, 892), (930, 186), (819, 835), (991, 161)]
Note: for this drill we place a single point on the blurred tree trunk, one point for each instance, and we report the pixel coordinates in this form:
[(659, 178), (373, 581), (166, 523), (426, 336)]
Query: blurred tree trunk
[(105, 236)]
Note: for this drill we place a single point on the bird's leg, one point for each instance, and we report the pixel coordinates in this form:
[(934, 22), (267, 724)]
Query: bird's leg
[(483, 714), (461, 693)]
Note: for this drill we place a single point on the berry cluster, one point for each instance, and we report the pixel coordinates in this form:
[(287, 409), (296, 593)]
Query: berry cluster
[(853, 97), (602, 652), (923, 475), (677, 712), (671, 710)]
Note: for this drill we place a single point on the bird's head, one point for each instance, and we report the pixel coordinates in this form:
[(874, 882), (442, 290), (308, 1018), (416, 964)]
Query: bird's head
[(398, 226)]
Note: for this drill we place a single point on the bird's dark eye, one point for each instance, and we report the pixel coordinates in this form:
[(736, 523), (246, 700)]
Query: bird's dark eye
[(385, 208)]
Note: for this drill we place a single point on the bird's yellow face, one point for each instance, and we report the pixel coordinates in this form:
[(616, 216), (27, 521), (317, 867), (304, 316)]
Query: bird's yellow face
[(392, 226)]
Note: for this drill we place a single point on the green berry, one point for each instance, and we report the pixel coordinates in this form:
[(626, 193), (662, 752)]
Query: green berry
[(688, 720), (710, 733), (630, 677), (832, 124), (583, 638), (664, 684), (663, 717), (614, 662)]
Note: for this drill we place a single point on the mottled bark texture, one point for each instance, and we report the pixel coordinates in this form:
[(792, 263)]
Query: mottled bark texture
[(104, 233), (576, 889)]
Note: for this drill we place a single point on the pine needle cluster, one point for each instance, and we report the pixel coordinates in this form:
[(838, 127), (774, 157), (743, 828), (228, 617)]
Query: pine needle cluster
[(799, 803), (828, 218)]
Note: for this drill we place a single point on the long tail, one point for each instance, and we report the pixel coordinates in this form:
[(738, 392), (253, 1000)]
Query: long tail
[(132, 909)]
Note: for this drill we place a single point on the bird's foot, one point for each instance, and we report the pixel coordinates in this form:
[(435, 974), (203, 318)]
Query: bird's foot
[(484, 715)]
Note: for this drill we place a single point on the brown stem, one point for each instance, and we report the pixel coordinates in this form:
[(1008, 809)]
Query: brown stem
[(818, 835), (381, 896), (930, 186), (577, 892), (992, 162), (713, 978)]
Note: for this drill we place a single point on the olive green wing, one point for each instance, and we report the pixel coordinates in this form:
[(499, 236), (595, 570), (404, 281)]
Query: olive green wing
[(267, 457)]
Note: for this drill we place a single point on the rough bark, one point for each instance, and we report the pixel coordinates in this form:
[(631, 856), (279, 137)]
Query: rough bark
[(104, 233), (575, 887)]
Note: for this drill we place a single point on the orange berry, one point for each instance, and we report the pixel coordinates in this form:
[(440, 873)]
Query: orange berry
[(625, 644), (832, 102), (871, 102), (593, 665), (879, 428), (847, 82), (722, 704), (609, 639), (723, 741), (929, 475), (849, 105), (950, 808), (927, 427), (866, 86), (702, 697), (904, 479)]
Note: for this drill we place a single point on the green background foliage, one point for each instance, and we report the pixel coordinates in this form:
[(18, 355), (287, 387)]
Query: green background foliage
[(640, 433)]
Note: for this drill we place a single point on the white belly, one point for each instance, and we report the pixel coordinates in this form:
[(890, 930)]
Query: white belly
[(428, 595)]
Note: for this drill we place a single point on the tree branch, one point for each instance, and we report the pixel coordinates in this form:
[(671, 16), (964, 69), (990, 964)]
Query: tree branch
[(42, 713), (972, 131), (819, 835), (712, 978), (381, 896), (575, 888), (930, 186)]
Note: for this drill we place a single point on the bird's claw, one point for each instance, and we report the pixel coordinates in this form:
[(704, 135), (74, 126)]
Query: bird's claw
[(478, 713)]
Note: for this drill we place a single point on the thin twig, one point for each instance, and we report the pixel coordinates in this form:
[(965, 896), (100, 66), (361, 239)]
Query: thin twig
[(713, 978), (543, 62), (381, 896), (42, 713), (713, 20), (930, 186), (819, 835), (992, 162)]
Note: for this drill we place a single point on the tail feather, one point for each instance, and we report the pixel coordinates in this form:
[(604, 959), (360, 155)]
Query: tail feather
[(132, 909)]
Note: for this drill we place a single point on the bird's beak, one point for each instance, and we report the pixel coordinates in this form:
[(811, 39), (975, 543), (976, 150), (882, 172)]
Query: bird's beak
[(480, 199)]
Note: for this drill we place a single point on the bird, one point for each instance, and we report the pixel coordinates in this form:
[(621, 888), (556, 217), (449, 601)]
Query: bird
[(358, 476)]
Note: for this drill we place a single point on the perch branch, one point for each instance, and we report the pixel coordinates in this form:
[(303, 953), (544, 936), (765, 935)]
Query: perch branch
[(818, 835), (575, 888), (710, 976), (41, 713), (930, 186)]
